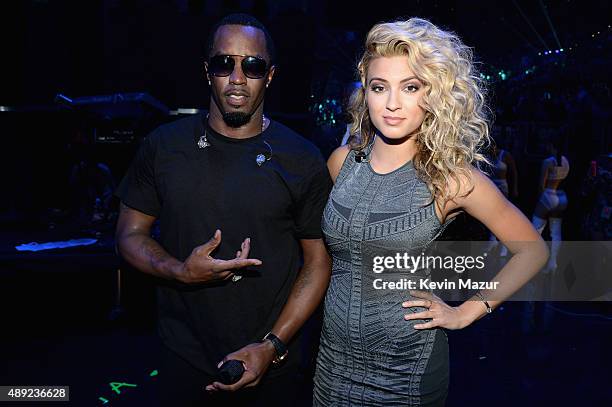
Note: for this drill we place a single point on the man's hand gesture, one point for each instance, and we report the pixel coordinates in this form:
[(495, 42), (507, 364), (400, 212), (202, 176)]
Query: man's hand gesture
[(201, 267)]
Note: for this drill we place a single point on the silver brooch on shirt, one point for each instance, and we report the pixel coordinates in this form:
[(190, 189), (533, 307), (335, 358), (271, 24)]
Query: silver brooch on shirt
[(263, 157), (203, 142)]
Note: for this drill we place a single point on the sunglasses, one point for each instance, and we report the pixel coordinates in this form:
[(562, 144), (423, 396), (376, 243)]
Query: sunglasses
[(252, 67)]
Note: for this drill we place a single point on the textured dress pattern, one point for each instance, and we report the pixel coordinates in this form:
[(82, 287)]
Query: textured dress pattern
[(369, 355)]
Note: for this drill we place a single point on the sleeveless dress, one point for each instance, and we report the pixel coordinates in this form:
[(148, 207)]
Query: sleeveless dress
[(369, 355)]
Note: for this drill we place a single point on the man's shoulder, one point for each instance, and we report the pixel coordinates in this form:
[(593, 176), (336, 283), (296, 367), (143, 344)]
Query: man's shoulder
[(293, 142), (176, 130)]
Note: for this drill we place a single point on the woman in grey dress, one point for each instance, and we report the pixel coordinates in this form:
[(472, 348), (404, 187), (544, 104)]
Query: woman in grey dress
[(419, 120)]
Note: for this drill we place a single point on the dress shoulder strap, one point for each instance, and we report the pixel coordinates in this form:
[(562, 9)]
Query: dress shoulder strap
[(347, 166)]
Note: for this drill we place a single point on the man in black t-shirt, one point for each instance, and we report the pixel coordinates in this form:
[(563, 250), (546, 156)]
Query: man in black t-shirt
[(259, 190)]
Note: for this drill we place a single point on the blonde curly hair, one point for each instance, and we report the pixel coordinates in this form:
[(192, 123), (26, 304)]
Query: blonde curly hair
[(455, 127)]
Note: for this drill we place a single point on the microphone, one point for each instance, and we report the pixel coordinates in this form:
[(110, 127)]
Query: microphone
[(361, 157), (230, 372)]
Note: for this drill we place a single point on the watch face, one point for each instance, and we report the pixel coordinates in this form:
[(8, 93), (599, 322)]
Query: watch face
[(279, 347), (279, 359)]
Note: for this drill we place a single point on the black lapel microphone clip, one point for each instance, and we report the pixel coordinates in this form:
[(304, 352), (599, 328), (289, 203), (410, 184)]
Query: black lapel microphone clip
[(361, 157)]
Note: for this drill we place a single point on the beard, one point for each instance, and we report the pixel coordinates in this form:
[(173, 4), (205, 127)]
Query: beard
[(236, 119)]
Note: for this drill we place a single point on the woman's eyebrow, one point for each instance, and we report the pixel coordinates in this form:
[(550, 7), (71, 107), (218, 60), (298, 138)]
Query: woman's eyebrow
[(386, 81)]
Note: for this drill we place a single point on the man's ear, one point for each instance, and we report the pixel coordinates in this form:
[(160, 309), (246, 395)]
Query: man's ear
[(270, 75), (206, 73)]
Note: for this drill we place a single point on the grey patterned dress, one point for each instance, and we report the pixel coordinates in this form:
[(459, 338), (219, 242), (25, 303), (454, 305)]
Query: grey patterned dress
[(369, 355)]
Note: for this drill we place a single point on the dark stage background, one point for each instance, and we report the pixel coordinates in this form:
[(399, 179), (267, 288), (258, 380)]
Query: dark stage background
[(71, 318)]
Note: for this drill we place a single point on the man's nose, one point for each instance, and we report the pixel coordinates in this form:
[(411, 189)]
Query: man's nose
[(237, 77)]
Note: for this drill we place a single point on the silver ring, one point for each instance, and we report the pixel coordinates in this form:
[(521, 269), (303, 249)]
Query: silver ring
[(236, 278)]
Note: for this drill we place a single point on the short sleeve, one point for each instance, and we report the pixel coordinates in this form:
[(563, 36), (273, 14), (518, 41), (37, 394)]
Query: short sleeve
[(312, 202), (138, 187)]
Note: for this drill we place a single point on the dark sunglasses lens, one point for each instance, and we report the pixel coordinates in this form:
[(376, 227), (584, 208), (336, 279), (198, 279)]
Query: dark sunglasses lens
[(221, 65), (254, 68)]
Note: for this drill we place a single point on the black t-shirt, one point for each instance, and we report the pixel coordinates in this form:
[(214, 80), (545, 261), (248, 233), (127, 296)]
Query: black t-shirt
[(195, 191)]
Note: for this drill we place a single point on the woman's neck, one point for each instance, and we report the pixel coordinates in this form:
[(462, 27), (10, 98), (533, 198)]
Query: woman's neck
[(387, 155)]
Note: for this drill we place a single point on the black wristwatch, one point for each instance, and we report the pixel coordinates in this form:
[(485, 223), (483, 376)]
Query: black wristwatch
[(279, 347)]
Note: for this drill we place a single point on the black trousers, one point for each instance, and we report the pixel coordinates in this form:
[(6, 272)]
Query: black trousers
[(182, 385)]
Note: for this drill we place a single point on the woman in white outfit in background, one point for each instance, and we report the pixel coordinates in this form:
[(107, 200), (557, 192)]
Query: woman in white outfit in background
[(553, 200)]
